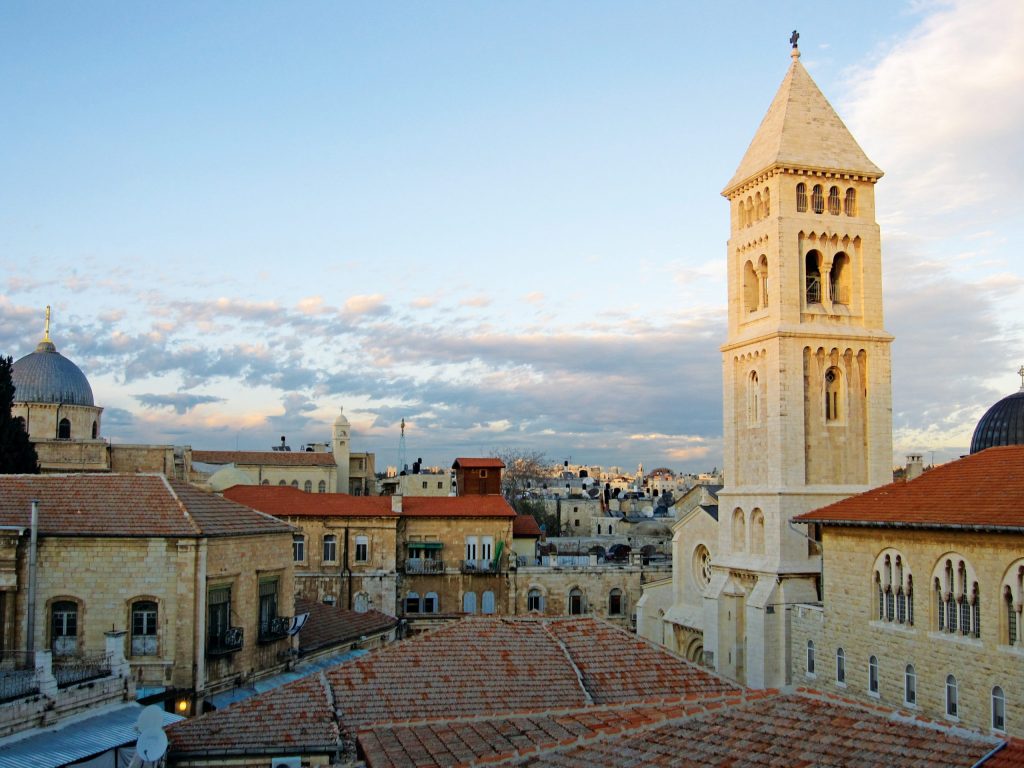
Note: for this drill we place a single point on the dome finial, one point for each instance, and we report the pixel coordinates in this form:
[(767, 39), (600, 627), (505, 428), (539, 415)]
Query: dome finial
[(795, 53), (1020, 372), (46, 328)]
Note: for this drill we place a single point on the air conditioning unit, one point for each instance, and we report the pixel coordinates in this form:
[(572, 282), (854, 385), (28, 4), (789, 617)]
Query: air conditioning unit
[(286, 762)]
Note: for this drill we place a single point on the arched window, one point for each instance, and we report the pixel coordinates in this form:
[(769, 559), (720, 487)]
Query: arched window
[(265, 482), (817, 199), (758, 207), (952, 704), (298, 547), (998, 709), (469, 602), (739, 531), (751, 288), (412, 602), (295, 484), (850, 203), (430, 603), (361, 604), (872, 670), (813, 268), (741, 215), (833, 201), (810, 657), (487, 602), (801, 197), (750, 211), (957, 597), (321, 487), (95, 430), (64, 430), (841, 666), (767, 202), (839, 279), (535, 600), (910, 685), (910, 600), (880, 593), (762, 279), (753, 399), (282, 482), (330, 548), (701, 566), (615, 602), (833, 394), (576, 602), (1011, 617), (757, 532), (308, 486), (64, 628), (975, 612), (144, 628)]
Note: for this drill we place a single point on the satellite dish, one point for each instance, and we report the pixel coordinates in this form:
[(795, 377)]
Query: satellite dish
[(593, 492), (151, 745), (152, 717)]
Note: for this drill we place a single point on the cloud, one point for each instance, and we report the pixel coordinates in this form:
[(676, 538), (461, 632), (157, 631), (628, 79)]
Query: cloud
[(372, 305), (180, 402), (476, 301)]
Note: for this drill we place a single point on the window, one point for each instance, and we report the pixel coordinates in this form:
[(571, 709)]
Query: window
[(841, 667), (265, 482), (95, 430), (872, 673), (702, 566), (753, 399), (483, 473), (850, 202), (298, 547), (813, 270), (833, 392), (64, 628), (487, 602), (487, 548), (810, 658), (321, 487), (839, 279), (430, 603), (282, 482), (751, 289), (757, 532), (741, 215), (739, 531), (218, 604), (329, 600), (424, 485), (469, 602), (535, 601), (268, 606), (64, 430), (957, 598), (817, 199), (440, 485), (767, 202), (801, 197), (1011, 617), (833, 201), (295, 484), (330, 548), (362, 549), (910, 685), (576, 602), (598, 529), (412, 603), (308, 486), (144, 628), (615, 602), (471, 547), (998, 709), (952, 706)]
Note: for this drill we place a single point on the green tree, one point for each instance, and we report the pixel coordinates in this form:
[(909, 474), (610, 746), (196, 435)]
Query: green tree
[(17, 454)]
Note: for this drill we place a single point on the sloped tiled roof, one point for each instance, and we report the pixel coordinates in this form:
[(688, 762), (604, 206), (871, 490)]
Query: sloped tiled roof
[(266, 458), (981, 491), (488, 462), (285, 501), (125, 505), (490, 505), (802, 130), (525, 525), (329, 625)]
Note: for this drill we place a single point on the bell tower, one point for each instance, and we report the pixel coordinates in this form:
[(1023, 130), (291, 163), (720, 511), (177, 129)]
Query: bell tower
[(342, 447), (806, 387)]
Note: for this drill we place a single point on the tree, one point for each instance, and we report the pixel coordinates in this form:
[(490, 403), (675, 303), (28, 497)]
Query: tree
[(17, 454), (523, 469)]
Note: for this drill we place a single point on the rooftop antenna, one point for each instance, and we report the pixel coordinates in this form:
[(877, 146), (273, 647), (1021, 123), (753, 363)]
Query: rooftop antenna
[(401, 448)]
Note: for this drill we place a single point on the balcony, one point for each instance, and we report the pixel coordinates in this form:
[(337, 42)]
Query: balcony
[(813, 290), (69, 670), (18, 675), (422, 565), (478, 566), (229, 641), (274, 629)]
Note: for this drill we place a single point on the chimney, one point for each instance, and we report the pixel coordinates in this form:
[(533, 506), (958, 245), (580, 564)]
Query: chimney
[(915, 466), (396, 504)]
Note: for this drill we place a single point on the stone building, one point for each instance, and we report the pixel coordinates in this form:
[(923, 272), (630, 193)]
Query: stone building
[(344, 548), (478, 476), (200, 587)]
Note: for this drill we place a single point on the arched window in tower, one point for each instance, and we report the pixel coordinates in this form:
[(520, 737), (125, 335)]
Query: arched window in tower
[(753, 399), (762, 278), (741, 216), (750, 211), (850, 202), (813, 267), (757, 532), (952, 697), (801, 197), (750, 287), (95, 430), (758, 207), (818, 199), (739, 531), (1011, 617), (839, 279), (833, 201), (64, 430), (767, 202), (833, 395)]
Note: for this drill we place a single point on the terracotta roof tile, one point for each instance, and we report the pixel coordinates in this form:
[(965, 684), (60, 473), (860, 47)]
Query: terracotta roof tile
[(267, 458), (993, 481), (525, 525), (329, 625), (456, 506), (285, 501), (1010, 756), (479, 463)]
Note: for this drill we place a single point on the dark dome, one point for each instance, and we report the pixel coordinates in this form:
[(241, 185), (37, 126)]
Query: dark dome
[(1002, 424), (46, 376)]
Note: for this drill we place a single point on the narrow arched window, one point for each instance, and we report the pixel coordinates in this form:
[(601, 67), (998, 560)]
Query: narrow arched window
[(265, 482), (469, 602), (762, 278), (321, 487), (880, 594), (487, 602), (998, 709), (295, 484), (833, 392), (839, 279), (576, 603), (750, 212), (330, 548), (615, 602), (910, 685), (810, 657), (751, 289), (833, 201), (95, 430), (362, 603), (64, 430), (850, 203), (801, 197), (144, 628), (758, 207), (739, 531), (767, 202), (952, 696), (741, 216), (841, 666), (817, 199), (282, 482), (873, 675), (535, 600), (940, 608), (308, 486), (910, 600), (1011, 617), (753, 399), (757, 532), (64, 628), (813, 269), (975, 611)]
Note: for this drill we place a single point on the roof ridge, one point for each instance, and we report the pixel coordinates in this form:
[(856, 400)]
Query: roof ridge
[(189, 518), (568, 657)]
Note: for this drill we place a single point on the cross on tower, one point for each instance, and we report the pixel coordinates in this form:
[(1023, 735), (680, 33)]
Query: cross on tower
[(1020, 372), (794, 37)]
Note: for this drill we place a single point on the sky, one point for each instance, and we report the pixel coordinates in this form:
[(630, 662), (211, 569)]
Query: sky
[(501, 222)]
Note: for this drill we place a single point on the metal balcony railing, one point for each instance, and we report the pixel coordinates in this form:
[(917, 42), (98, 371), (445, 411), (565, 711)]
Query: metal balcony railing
[(420, 565), (17, 675), (478, 566), (229, 641), (69, 670), (274, 629), (813, 290)]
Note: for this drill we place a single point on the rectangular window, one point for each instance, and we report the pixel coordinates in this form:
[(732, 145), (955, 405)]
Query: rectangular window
[(430, 602), (471, 547), (487, 548), (440, 485), (64, 628), (268, 606), (424, 485), (298, 548), (873, 675), (362, 549), (330, 548), (144, 628), (218, 603)]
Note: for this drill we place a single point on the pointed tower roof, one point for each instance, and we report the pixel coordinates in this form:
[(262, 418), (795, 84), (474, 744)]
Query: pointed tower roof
[(802, 130)]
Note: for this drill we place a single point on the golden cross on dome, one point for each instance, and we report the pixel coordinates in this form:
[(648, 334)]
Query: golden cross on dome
[(46, 328), (1020, 372)]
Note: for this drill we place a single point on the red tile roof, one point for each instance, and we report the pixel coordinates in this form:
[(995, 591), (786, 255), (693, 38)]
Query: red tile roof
[(490, 505), (981, 491), (126, 505), (285, 501), (482, 463), (525, 525), (1010, 756), (266, 458), (329, 625)]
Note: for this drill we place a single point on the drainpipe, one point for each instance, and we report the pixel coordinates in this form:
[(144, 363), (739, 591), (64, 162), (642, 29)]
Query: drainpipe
[(200, 623), (348, 572), (32, 568)]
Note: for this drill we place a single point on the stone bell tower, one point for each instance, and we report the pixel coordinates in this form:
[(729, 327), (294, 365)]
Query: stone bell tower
[(342, 447), (805, 370)]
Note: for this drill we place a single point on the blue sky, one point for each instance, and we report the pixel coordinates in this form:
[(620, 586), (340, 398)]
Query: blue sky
[(500, 221)]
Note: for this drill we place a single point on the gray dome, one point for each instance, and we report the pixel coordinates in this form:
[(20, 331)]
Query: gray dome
[(1002, 424), (46, 376)]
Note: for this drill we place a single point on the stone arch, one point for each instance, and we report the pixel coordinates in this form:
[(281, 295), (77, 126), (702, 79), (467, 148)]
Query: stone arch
[(757, 532), (739, 531)]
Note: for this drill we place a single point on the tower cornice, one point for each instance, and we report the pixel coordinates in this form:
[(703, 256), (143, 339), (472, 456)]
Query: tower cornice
[(758, 179)]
